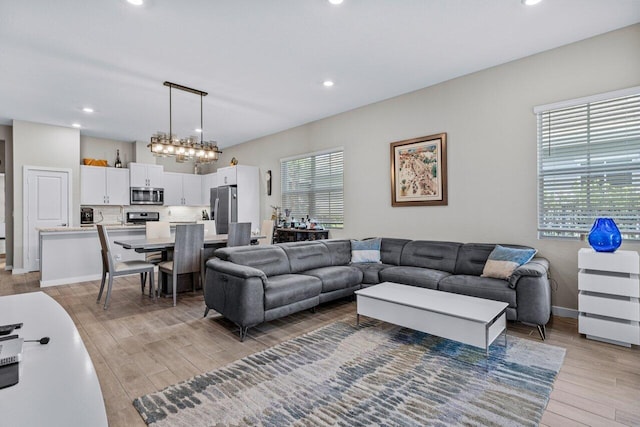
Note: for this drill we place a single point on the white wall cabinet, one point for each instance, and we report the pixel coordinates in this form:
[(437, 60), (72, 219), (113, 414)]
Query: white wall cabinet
[(182, 189), (145, 175), (229, 175), (209, 181), (104, 186), (609, 296)]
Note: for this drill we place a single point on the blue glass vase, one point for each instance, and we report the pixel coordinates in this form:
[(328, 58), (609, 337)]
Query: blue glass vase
[(604, 235)]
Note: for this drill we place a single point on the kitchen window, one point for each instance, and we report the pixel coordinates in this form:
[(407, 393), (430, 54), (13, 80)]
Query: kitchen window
[(589, 164), (312, 184)]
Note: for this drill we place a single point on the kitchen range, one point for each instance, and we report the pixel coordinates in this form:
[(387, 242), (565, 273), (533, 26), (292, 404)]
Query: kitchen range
[(140, 218)]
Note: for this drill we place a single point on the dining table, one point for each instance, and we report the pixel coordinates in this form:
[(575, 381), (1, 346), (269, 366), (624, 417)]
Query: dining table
[(166, 245)]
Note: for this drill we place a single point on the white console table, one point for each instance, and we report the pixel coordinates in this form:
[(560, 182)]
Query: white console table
[(58, 384), (609, 296)]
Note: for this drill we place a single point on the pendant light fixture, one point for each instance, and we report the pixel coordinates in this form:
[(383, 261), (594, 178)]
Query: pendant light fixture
[(188, 148)]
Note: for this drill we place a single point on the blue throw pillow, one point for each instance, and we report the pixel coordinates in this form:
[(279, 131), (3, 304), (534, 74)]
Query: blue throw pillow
[(365, 250), (503, 261)]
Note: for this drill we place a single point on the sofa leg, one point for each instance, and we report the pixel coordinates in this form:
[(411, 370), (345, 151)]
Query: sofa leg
[(206, 311), (243, 332), (542, 330), (313, 309)]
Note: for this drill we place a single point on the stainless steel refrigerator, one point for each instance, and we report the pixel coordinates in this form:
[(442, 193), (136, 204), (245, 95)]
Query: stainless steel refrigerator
[(224, 207)]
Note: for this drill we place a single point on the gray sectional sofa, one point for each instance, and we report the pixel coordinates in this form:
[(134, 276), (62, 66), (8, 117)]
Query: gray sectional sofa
[(253, 284)]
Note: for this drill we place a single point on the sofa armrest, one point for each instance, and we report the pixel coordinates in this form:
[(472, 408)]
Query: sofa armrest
[(537, 267), (235, 291), (237, 270)]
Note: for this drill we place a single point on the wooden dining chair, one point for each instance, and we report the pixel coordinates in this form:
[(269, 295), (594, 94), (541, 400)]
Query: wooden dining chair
[(267, 231), (114, 269), (186, 256), (239, 234)]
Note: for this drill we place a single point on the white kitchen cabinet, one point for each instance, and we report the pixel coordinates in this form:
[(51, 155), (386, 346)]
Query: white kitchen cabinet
[(104, 186), (228, 175), (609, 296), (145, 175), (209, 181), (182, 189)]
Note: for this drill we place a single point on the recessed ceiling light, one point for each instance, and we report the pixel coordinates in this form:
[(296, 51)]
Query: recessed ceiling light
[(530, 2), (327, 83), (87, 110), (76, 125), (336, 2), (136, 2), (199, 130)]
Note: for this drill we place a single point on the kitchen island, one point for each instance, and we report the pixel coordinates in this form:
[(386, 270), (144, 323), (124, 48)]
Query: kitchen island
[(72, 254)]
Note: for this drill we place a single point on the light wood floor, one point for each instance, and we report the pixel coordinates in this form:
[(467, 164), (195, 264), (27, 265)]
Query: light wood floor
[(139, 346)]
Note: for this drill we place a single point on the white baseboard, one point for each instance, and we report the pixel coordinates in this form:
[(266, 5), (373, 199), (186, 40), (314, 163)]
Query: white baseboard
[(564, 312), (19, 270), (69, 280)]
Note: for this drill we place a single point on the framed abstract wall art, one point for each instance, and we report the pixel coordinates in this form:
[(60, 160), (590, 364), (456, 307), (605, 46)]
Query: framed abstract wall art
[(419, 171)]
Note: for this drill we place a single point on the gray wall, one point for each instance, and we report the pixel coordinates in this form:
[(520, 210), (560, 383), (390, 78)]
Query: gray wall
[(105, 149), (491, 150)]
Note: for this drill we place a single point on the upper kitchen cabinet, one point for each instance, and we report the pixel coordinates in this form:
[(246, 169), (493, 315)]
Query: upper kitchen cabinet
[(228, 175), (104, 186), (182, 189), (209, 181), (145, 175)]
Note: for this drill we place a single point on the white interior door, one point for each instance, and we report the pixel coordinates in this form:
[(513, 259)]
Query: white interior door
[(47, 205)]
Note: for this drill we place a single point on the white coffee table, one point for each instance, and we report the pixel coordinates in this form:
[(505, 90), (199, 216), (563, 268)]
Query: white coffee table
[(474, 321)]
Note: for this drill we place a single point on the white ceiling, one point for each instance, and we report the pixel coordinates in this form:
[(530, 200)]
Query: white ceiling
[(261, 61)]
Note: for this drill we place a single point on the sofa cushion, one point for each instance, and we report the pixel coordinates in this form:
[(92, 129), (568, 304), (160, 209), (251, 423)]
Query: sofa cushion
[(427, 254), (336, 277), (481, 287), (289, 288), (370, 272), (391, 249), (306, 255), (271, 260), (472, 258), (415, 276), (339, 250), (503, 261), (365, 251)]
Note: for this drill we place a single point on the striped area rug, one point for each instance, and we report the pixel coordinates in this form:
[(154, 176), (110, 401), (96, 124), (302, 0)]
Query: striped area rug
[(377, 374)]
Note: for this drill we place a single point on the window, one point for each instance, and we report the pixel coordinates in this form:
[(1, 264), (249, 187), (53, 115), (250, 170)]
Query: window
[(589, 164), (312, 185)]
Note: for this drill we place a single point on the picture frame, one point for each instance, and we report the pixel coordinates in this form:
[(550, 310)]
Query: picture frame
[(419, 171)]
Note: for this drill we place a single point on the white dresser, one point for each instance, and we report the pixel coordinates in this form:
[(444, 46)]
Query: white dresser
[(609, 296)]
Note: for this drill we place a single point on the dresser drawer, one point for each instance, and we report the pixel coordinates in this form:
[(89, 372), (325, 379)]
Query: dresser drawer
[(616, 330), (610, 283), (620, 308)]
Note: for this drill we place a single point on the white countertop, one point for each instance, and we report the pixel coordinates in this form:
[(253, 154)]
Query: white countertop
[(116, 226), (92, 228)]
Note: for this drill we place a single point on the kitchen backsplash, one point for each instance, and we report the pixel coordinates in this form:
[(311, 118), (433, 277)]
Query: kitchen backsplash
[(115, 214)]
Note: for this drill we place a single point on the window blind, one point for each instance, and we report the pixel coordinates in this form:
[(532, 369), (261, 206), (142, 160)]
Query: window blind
[(589, 166), (313, 185)]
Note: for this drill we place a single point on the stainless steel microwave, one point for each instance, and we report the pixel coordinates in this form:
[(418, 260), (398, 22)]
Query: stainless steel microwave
[(146, 196)]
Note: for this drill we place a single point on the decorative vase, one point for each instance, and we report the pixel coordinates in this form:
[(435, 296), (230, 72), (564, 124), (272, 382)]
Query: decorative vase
[(604, 235)]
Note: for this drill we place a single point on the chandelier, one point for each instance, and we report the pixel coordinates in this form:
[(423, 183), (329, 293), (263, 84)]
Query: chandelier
[(166, 145)]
